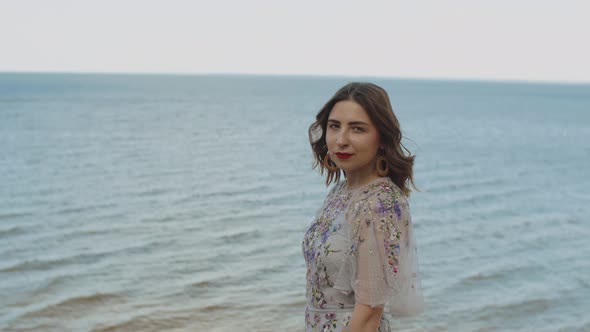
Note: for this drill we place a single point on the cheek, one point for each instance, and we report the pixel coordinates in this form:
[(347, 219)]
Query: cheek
[(368, 142), (375, 140), (329, 139)]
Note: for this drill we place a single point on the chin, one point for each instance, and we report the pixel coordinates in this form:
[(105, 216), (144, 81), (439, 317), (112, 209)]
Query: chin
[(347, 169)]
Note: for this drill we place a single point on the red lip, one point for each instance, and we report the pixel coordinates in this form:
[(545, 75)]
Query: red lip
[(343, 155)]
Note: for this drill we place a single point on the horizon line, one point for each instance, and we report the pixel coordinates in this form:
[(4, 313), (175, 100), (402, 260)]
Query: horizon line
[(433, 78)]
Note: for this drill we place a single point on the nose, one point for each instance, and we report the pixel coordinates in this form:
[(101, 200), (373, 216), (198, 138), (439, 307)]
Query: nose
[(341, 138)]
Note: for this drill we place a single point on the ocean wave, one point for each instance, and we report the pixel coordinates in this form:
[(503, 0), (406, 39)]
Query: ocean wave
[(75, 305), (443, 187), (16, 230), (13, 215), (45, 289), (233, 192), (214, 307), (481, 276), (84, 259), (485, 197), (80, 209), (49, 264), (151, 192), (203, 283), (295, 304), (154, 322), (514, 309), (254, 234)]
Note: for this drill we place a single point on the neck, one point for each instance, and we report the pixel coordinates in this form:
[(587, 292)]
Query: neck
[(359, 178)]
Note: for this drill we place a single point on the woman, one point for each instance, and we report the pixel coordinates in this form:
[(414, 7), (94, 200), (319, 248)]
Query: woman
[(360, 250)]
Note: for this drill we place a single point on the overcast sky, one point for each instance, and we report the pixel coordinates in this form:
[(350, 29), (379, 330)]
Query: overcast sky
[(534, 40)]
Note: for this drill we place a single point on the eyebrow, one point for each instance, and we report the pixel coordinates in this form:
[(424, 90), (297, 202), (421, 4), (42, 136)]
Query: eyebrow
[(350, 123)]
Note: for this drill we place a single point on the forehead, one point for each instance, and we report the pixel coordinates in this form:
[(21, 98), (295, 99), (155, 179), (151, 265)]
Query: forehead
[(348, 110)]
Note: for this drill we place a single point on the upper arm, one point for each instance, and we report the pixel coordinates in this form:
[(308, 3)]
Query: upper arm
[(378, 239), (385, 268), (388, 269)]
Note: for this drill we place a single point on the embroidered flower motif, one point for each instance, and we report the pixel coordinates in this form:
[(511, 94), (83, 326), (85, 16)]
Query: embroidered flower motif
[(331, 322), (346, 319), (392, 250), (397, 209), (327, 249), (382, 208), (316, 317), (382, 225)]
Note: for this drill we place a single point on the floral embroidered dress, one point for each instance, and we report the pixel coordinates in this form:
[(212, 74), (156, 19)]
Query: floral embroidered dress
[(361, 249)]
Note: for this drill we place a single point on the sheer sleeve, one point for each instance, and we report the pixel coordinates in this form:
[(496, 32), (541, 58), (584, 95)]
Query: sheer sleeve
[(385, 261)]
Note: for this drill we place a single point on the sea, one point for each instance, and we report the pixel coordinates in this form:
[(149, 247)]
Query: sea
[(152, 202)]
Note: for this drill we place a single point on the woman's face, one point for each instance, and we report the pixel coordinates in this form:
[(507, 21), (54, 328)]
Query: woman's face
[(351, 131)]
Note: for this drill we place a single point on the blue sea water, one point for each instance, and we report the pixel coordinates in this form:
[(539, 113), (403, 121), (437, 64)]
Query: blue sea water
[(179, 203)]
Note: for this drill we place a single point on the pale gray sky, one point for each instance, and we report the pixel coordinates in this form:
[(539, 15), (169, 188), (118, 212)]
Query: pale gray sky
[(544, 40)]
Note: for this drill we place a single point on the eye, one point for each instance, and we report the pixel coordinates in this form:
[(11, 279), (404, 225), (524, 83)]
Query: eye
[(332, 125), (359, 129)]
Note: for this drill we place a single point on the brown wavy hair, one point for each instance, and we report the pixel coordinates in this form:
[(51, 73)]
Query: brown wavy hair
[(375, 102)]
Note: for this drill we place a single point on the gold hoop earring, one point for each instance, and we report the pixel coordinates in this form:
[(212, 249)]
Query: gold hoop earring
[(327, 164), (380, 161)]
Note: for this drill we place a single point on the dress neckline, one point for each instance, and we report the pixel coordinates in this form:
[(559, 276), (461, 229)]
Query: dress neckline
[(344, 190)]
